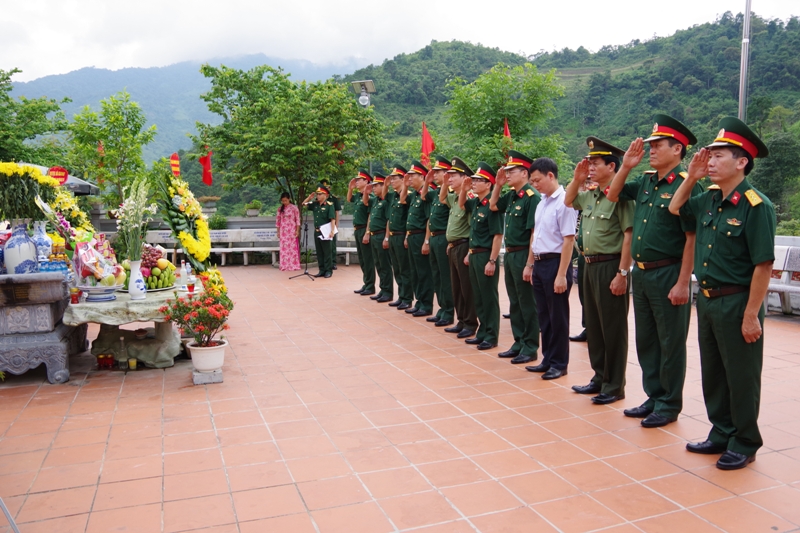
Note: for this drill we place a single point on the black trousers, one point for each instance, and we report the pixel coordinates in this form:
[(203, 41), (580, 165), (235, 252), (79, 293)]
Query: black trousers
[(553, 312), (463, 299)]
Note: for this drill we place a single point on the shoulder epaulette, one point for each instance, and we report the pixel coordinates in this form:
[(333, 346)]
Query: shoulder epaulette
[(530, 192), (712, 188), (684, 174), (650, 171), (329, 202), (753, 197)]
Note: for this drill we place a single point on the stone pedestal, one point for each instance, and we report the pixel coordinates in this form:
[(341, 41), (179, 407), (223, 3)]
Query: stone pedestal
[(206, 378)]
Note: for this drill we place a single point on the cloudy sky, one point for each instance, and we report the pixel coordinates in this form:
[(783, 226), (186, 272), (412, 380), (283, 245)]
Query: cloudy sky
[(44, 37)]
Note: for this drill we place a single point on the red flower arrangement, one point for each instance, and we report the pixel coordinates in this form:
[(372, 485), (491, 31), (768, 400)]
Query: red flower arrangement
[(202, 316)]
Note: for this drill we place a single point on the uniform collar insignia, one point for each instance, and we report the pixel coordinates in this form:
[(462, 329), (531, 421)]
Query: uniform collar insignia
[(735, 197), (521, 193), (605, 191), (671, 177), (484, 201)]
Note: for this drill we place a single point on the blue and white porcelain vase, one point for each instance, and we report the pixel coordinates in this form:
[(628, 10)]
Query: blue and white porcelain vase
[(137, 289), (43, 242), (20, 252)]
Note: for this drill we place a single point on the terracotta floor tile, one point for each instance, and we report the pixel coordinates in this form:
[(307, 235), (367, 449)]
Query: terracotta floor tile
[(507, 463), (391, 417), (481, 498), (375, 459), (55, 504), (395, 482), (296, 523), (781, 501), (335, 424), (232, 406), (359, 439), (124, 449), (65, 477), (642, 465), (250, 454), (460, 425), (66, 524), (127, 494), (677, 521), (429, 452), (527, 435), (741, 515), (89, 453), (604, 445), (24, 462), (435, 411), (478, 405), (544, 412), (739, 481), (479, 443), (450, 473), (687, 489), (16, 484), (646, 438), (192, 424), (267, 502), (577, 514), (294, 429), (559, 453), (333, 492), (129, 520), (456, 526), (187, 442), (181, 463), (592, 476), (778, 466), (539, 487), (306, 447), (243, 435), (72, 423), (407, 433), (359, 518), (258, 476), (38, 426), (27, 443), (79, 437), (571, 428), (501, 419), (418, 510), (634, 502), (131, 431), (200, 512), (195, 484)]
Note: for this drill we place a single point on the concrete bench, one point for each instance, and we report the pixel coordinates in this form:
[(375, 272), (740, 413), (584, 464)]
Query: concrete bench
[(224, 242), (785, 276)]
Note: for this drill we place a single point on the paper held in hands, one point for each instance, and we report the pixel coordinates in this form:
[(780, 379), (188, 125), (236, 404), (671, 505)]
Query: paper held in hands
[(325, 231)]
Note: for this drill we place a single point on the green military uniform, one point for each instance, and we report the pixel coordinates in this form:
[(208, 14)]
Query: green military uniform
[(484, 225), (458, 229), (416, 225), (603, 224), (440, 270), (337, 207), (734, 234), (398, 216), (520, 209), (378, 216), (365, 259), (323, 214), (578, 253)]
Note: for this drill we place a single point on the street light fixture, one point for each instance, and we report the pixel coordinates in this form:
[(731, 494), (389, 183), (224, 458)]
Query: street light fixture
[(365, 88)]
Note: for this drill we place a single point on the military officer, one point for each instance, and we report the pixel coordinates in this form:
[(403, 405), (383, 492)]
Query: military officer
[(396, 230), (435, 245), (457, 248), (607, 228), (323, 214), (355, 192), (376, 236), (733, 259), (419, 205), (519, 205), (485, 238), (337, 206), (663, 253)]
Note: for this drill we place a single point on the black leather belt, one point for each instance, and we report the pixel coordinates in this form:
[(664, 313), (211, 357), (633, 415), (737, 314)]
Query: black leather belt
[(379, 232), (437, 233), (649, 265), (415, 231), (542, 257), (601, 258), (396, 233), (458, 241), (474, 251), (516, 248), (724, 291), (359, 226)]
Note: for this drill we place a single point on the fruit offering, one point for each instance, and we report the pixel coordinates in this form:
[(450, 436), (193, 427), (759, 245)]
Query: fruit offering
[(157, 271)]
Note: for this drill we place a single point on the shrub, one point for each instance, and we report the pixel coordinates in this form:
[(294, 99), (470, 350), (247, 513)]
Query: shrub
[(218, 221), (255, 204)]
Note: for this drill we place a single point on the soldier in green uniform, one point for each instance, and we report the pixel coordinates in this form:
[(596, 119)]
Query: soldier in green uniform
[(733, 259), (337, 206), (376, 236), (519, 206), (663, 253), (360, 216), (485, 238), (419, 205), (323, 214), (435, 245), (607, 228), (396, 229)]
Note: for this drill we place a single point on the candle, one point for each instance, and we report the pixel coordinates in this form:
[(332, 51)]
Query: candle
[(132, 364)]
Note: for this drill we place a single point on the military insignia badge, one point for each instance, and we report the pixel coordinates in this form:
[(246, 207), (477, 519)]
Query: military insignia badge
[(721, 133), (453, 162), (530, 192), (605, 191), (591, 145), (481, 215), (518, 207), (753, 197), (734, 222), (671, 178), (655, 127), (735, 198), (510, 159), (666, 195)]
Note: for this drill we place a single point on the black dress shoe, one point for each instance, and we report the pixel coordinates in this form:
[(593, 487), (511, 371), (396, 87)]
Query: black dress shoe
[(538, 368), (554, 373), (328, 274), (655, 420), (731, 460), (706, 447), (442, 323), (334, 267), (591, 388), (473, 340), (638, 412), (605, 399), (508, 353), (403, 306), (359, 291), (395, 303), (383, 299), (486, 345), (464, 333), (454, 329), (412, 310), (319, 274), (367, 293), (522, 358), (376, 297), (432, 319), (506, 315), (421, 312), (580, 337)]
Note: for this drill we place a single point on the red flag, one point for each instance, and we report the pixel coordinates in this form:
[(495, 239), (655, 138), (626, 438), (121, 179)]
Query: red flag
[(175, 165), (428, 146), (206, 162), (506, 131)]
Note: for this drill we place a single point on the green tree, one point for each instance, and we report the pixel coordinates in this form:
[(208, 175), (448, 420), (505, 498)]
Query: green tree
[(520, 94), (107, 146), (776, 174), (277, 131), (28, 126)]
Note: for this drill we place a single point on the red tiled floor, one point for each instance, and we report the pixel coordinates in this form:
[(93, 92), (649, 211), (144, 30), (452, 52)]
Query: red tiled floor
[(337, 431)]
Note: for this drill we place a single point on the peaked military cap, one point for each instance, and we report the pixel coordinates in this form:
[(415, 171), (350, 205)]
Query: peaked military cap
[(364, 175), (517, 159), (485, 171), (418, 168), (734, 132), (600, 148), (442, 163), (458, 165), (666, 126), (397, 171), (379, 178), (324, 190)]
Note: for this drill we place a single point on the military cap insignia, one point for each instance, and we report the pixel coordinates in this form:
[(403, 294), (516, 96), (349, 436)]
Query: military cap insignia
[(591, 144), (453, 162), (655, 127), (666, 195), (753, 197), (510, 159), (734, 222), (721, 133)]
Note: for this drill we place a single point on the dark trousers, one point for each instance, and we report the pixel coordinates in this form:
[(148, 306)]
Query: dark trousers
[(522, 304), (581, 267), (731, 370), (440, 273), (421, 273), (401, 267), (553, 312), (487, 300), (661, 331), (365, 261), (323, 249), (606, 327), (463, 300), (384, 265)]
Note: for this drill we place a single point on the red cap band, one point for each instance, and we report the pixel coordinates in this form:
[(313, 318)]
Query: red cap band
[(738, 140), (481, 173), (664, 131)]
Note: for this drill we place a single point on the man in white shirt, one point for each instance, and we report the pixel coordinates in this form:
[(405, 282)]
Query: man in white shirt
[(550, 267)]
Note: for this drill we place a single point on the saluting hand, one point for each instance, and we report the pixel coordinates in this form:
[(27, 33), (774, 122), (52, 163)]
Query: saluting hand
[(352, 184), (501, 178), (581, 171), (467, 183), (429, 177), (698, 167), (634, 154)]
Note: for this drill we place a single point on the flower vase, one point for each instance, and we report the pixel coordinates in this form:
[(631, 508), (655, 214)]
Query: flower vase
[(43, 242), (20, 251), (136, 286), (207, 359)]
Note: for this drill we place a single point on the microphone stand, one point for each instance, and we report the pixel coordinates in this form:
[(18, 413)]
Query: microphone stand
[(305, 244)]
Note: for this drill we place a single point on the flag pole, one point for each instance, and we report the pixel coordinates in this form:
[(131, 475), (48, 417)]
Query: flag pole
[(745, 63)]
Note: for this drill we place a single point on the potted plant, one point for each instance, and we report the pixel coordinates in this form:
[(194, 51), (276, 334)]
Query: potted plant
[(202, 316), (253, 208), (208, 201), (217, 221)]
